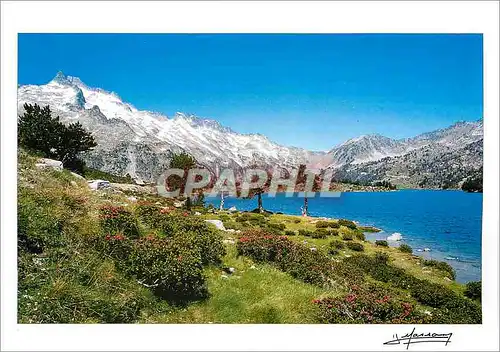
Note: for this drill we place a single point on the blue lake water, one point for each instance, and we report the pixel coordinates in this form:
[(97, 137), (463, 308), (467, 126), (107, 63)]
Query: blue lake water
[(446, 222)]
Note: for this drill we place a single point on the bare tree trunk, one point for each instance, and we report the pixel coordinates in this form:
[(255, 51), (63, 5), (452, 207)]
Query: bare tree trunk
[(259, 202), (221, 206)]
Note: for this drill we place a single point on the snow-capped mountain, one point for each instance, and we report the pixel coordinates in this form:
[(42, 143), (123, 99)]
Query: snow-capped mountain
[(138, 143)]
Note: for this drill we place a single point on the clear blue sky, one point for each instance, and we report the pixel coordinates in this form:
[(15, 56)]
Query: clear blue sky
[(311, 91)]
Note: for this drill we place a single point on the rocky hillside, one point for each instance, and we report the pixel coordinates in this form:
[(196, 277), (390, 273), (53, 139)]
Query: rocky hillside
[(138, 143)]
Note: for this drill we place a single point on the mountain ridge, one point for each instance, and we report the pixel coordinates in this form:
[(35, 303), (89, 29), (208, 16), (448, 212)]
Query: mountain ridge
[(138, 142)]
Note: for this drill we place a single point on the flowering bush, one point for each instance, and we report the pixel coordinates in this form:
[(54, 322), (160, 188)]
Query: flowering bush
[(195, 233), (291, 257), (371, 305), (452, 307), (149, 213), (167, 266), (115, 219)]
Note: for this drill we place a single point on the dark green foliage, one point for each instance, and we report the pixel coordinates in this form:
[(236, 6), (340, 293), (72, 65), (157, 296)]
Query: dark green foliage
[(384, 184), (320, 233), (170, 267), (360, 236), (304, 232), (39, 131), (347, 223), (358, 247), (473, 185), (337, 244), (372, 304), (347, 237), (443, 266), (382, 243), (322, 224), (451, 307), (381, 257), (291, 257), (277, 226), (117, 220), (405, 248), (473, 290), (196, 233), (290, 233)]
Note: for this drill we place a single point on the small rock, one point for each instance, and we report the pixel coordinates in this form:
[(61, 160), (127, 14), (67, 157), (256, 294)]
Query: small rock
[(232, 209), (427, 249), (73, 183), (45, 163), (427, 312), (253, 267), (132, 199), (224, 276), (347, 255), (219, 224), (229, 241), (197, 213), (447, 279), (313, 249)]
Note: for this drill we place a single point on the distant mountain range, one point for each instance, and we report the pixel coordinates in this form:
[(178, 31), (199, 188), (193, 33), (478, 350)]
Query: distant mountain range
[(135, 142)]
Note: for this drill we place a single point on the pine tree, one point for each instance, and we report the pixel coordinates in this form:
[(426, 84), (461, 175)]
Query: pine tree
[(39, 131)]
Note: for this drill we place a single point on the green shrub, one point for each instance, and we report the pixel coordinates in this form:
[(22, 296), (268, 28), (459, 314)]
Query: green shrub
[(277, 226), (148, 213), (320, 233), (405, 248), (290, 233), (233, 225), (443, 266), (195, 232), (172, 269), (360, 236), (118, 220), (381, 257), (296, 221), (333, 224), (473, 290), (382, 243), (347, 237), (337, 244), (347, 223), (451, 306), (291, 257), (322, 224), (358, 247), (304, 232), (369, 305), (224, 217)]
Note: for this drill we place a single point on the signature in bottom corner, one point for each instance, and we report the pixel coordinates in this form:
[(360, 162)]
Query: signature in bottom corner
[(414, 337)]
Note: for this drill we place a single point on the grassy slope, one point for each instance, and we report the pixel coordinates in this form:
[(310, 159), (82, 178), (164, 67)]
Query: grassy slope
[(255, 293)]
